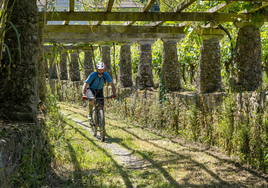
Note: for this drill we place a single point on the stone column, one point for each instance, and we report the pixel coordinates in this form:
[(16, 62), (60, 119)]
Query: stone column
[(145, 69), (63, 66), (248, 57), (88, 64), (74, 71), (209, 68), (53, 67), (171, 66), (125, 67), (41, 68), (106, 58)]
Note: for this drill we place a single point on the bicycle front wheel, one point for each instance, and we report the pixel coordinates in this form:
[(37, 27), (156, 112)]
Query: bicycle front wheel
[(101, 123), (93, 127)]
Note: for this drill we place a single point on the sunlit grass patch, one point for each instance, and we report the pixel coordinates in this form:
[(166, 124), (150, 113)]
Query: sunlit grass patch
[(165, 162), (80, 153)]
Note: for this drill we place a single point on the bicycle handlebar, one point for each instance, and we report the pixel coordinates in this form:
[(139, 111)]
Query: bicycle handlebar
[(109, 97)]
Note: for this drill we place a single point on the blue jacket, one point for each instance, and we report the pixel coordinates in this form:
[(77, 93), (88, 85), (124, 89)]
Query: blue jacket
[(96, 82)]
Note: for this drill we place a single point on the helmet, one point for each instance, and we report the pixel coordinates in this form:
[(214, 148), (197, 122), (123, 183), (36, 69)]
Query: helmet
[(100, 65)]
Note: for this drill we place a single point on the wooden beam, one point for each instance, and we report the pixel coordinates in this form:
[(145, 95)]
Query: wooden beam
[(71, 9), (143, 16), (184, 5), (71, 6), (148, 6), (105, 37), (112, 29), (221, 6), (218, 8), (109, 6), (48, 48), (214, 9)]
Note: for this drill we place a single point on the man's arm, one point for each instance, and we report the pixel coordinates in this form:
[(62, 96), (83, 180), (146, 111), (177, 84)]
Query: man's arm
[(113, 87), (84, 90)]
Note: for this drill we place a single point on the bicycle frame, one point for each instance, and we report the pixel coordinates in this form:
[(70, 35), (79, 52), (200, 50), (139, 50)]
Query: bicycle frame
[(99, 119)]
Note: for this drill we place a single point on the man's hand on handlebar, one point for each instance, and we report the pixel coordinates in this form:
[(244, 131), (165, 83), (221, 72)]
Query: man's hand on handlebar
[(84, 97)]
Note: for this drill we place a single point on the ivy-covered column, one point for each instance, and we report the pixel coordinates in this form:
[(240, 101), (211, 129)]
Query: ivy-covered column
[(145, 69), (63, 66), (248, 57), (53, 67), (171, 66), (88, 64), (125, 67), (19, 82), (106, 58), (74, 71), (208, 77)]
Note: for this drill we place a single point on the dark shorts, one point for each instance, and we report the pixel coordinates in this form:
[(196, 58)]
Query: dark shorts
[(92, 93)]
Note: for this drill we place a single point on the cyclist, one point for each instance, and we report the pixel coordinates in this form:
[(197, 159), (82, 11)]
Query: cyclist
[(93, 87)]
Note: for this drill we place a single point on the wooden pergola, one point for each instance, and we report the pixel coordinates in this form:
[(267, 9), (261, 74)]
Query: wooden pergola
[(98, 32)]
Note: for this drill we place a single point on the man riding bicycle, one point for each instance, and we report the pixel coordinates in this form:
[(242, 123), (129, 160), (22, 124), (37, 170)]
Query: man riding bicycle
[(93, 87)]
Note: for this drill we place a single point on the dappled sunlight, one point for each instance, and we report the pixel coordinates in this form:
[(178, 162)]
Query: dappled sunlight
[(153, 158)]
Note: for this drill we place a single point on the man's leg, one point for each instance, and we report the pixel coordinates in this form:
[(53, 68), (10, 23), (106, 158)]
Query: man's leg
[(91, 104), (90, 94)]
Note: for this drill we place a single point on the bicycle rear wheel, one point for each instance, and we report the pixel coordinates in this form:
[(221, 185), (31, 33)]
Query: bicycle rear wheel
[(101, 124)]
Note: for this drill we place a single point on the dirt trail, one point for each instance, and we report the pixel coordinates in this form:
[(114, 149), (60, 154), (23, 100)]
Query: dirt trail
[(124, 156), (151, 159)]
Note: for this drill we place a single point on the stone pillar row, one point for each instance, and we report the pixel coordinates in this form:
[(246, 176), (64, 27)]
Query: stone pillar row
[(248, 60)]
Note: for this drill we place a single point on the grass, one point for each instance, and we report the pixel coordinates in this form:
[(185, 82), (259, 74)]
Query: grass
[(85, 158), (162, 160)]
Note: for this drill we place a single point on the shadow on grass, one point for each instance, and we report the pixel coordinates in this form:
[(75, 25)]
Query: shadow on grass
[(168, 177), (121, 169), (180, 156), (236, 164), (219, 182), (77, 177)]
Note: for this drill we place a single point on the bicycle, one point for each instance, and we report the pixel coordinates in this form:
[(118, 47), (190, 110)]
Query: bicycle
[(98, 119)]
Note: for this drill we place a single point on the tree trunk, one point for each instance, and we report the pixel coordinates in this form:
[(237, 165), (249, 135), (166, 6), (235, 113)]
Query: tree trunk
[(18, 78)]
